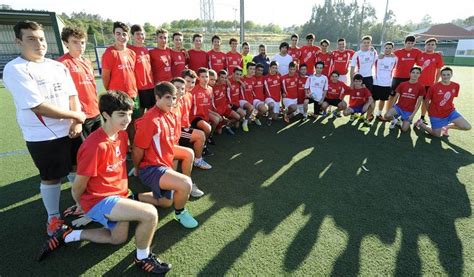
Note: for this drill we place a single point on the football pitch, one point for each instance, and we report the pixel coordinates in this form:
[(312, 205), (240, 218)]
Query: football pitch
[(320, 197)]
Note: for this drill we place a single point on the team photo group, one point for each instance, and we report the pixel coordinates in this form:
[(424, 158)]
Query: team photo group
[(165, 106)]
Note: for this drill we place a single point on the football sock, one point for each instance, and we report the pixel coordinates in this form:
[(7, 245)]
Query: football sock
[(50, 195), (73, 236), (143, 253), (178, 211)]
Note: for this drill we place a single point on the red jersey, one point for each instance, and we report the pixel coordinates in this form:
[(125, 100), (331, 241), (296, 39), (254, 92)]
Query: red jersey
[(336, 90), (409, 94), (358, 96), (258, 88), (326, 58), (178, 62), (185, 103), (234, 92), (248, 92), (442, 97), (406, 60), (217, 60), (202, 102), (295, 53), (143, 72), (341, 60), (156, 132), (290, 86), (221, 103), (121, 65), (429, 63), (161, 64), (273, 86), (82, 74), (301, 89), (308, 56), (233, 60), (197, 59), (104, 161)]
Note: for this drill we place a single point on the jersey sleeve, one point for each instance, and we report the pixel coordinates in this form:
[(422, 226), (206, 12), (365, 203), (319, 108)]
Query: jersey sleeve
[(440, 62), (69, 85), (87, 158), (422, 90), (400, 87), (23, 88), (107, 60), (307, 83), (354, 59), (325, 83), (143, 133)]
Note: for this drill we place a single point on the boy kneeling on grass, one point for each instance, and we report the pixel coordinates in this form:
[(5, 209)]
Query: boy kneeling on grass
[(101, 189)]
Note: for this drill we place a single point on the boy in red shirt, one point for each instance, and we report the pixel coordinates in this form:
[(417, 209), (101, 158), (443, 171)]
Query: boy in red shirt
[(335, 95), (82, 74), (197, 57), (341, 59), (154, 151), (178, 55), (325, 56), (302, 101), (247, 94), (273, 91), (217, 58), (259, 93), (143, 73), (308, 53), (101, 189), (431, 62), (222, 105), (360, 100), (234, 58), (294, 51), (439, 102), (234, 91), (160, 58), (289, 84), (410, 96)]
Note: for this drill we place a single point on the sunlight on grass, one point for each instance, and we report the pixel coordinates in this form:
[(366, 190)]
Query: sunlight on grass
[(383, 254), (429, 256)]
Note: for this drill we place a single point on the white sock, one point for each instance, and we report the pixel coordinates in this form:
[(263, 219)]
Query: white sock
[(245, 121), (143, 253), (73, 236), (50, 195), (197, 160)]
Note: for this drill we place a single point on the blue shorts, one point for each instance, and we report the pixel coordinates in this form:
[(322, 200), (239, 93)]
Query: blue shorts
[(358, 109), (99, 212), (150, 177), (402, 113), (440, 122)]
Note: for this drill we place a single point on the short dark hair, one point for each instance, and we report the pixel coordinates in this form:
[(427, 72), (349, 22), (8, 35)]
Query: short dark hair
[(303, 65), (324, 41), (161, 31), (272, 63), (115, 101), (410, 38), (232, 40), (188, 73), (284, 44), (245, 44), (249, 64), (367, 38), (176, 34), (431, 40), (259, 65), (212, 72), (119, 24), (76, 32), (163, 88), (389, 43), (295, 36), (310, 36), (222, 72), (358, 77), (26, 24), (215, 37), (335, 72), (416, 68), (262, 46), (341, 39), (446, 68), (319, 62), (136, 28), (177, 80), (197, 36), (202, 70), (238, 68), (292, 64)]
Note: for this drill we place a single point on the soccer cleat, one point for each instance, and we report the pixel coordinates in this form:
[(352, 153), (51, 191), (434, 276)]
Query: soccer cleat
[(186, 219), (245, 126), (257, 122), (152, 265), (53, 225), (196, 192), (202, 164), (323, 113), (55, 241), (352, 118), (393, 123), (229, 130)]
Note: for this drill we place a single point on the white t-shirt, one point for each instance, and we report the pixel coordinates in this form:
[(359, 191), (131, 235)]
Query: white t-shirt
[(364, 61), (33, 83), (283, 63), (383, 71), (316, 85)]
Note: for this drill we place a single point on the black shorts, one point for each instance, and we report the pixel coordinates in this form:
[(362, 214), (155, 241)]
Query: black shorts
[(395, 83), (147, 98), (90, 125), (185, 138), (316, 107), (234, 107), (195, 122), (380, 93), (368, 82), (333, 102), (51, 157)]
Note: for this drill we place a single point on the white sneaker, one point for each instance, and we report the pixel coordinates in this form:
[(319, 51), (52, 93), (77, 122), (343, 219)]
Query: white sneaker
[(393, 123), (196, 192), (202, 164), (257, 122)]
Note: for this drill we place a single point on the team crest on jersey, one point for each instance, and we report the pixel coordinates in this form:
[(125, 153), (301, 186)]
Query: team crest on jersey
[(57, 86), (275, 82), (179, 58), (358, 93), (408, 55), (410, 90)]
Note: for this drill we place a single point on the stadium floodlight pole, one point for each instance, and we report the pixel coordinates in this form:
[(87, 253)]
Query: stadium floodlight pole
[(383, 25), (242, 18)]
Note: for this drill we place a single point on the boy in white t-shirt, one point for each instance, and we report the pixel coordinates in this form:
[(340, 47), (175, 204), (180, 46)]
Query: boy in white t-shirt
[(316, 87), (384, 66), (283, 59), (364, 60), (48, 112)]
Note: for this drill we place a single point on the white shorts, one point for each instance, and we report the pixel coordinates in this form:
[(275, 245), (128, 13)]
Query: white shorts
[(300, 108), (242, 103), (288, 102), (257, 102), (276, 105), (343, 78)]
